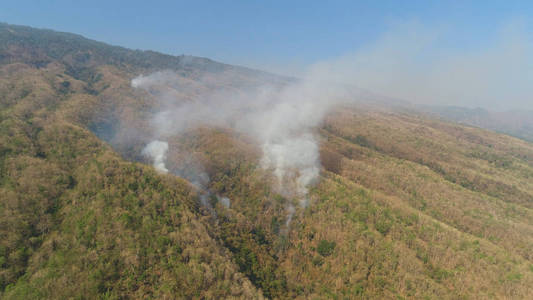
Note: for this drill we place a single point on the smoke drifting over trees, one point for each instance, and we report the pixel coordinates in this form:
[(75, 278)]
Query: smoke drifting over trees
[(157, 151), (280, 119)]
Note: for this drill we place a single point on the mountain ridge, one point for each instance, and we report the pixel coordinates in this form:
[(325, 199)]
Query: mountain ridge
[(18, 34)]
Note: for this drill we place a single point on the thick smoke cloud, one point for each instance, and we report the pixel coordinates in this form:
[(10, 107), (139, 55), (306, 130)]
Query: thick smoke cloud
[(409, 63), (281, 119), (157, 151)]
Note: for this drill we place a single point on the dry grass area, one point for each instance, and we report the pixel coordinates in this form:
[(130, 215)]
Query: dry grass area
[(414, 208), (406, 207)]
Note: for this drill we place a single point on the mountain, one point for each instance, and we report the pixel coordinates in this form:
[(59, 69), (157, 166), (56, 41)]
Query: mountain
[(406, 205), (514, 122)]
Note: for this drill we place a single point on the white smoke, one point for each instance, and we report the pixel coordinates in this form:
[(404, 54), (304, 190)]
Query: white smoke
[(427, 65), (224, 201), (293, 157), (157, 78), (281, 119), (285, 129), (157, 151), (290, 214)]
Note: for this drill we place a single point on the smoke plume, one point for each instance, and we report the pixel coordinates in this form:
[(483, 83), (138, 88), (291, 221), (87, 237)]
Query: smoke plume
[(224, 201), (280, 118), (157, 151)]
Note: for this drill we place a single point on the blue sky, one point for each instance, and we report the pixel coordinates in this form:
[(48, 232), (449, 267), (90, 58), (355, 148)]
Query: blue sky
[(467, 53), (276, 35)]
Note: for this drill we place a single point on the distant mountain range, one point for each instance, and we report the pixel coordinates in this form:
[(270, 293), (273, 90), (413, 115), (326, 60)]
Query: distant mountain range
[(515, 123)]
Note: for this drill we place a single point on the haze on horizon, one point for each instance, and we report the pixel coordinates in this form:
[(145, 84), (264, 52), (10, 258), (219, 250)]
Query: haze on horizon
[(455, 53)]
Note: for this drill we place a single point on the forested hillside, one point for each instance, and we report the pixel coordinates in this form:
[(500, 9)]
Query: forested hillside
[(405, 206), (514, 122)]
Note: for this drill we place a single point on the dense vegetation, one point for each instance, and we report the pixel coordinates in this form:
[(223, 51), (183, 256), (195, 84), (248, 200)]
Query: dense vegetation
[(407, 207)]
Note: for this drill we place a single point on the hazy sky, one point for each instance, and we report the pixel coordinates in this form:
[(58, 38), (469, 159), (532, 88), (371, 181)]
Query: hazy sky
[(426, 51)]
